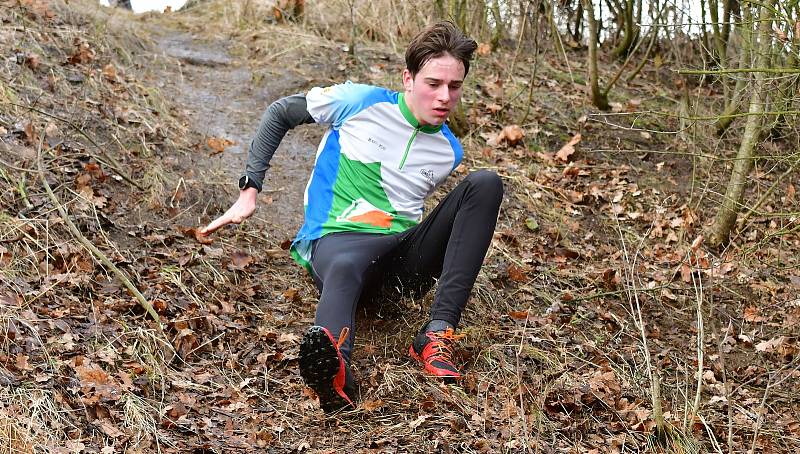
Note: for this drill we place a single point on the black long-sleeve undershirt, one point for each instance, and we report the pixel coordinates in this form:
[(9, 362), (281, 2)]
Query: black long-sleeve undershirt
[(281, 116)]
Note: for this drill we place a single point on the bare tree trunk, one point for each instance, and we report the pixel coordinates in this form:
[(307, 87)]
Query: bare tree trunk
[(653, 38), (639, 10), (478, 20), (719, 44), (457, 11), (549, 6), (703, 28), (438, 9), (577, 33), (631, 30), (499, 27), (727, 8), (599, 98), (352, 49), (734, 103), (458, 14), (617, 11), (719, 54), (720, 231), (787, 88)]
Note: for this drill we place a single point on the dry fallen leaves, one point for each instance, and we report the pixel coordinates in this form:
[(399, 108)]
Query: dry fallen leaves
[(37, 8), (82, 54), (240, 260), (32, 61), (288, 338), (218, 144), (372, 405), (753, 315), (494, 89), (517, 274), (110, 72), (194, 232), (30, 133), (494, 108), (569, 148), (771, 345), (781, 35), (292, 295), (5, 257), (509, 135), (418, 422)]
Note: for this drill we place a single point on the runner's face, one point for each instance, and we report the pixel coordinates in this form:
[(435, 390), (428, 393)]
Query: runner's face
[(435, 90)]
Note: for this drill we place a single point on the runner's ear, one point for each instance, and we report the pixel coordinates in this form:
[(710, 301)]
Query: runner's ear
[(408, 80)]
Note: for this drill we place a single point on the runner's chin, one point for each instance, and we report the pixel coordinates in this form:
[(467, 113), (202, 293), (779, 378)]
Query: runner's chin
[(438, 117)]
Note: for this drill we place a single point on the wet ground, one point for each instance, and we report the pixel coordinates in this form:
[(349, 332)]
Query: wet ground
[(221, 100)]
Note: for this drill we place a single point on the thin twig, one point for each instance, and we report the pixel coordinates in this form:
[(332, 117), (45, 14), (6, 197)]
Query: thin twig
[(103, 157), (741, 70), (698, 290), (726, 385), (98, 254), (636, 313), (757, 205), (760, 416)]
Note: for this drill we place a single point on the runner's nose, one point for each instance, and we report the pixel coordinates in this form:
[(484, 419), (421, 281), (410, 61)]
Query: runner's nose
[(443, 94)]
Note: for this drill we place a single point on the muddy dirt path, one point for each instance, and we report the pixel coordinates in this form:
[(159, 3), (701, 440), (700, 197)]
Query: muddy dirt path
[(220, 99)]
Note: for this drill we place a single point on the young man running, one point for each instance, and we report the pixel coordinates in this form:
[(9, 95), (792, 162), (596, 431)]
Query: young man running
[(383, 154)]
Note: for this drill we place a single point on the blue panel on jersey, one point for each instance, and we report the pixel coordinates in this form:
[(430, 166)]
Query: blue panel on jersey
[(349, 99), (458, 152), (320, 190)]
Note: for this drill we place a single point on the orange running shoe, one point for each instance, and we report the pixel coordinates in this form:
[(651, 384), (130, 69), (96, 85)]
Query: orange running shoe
[(434, 349), (324, 369)]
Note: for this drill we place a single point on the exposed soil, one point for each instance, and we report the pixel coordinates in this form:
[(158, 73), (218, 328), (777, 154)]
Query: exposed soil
[(220, 98)]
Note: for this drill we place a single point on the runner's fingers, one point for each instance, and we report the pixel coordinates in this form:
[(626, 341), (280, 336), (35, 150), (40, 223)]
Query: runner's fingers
[(215, 224), (234, 215)]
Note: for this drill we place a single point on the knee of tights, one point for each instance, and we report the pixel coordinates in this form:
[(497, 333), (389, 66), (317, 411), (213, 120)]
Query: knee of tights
[(343, 267), (486, 182)]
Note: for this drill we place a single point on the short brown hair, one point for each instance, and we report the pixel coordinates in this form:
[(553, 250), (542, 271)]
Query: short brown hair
[(436, 40)]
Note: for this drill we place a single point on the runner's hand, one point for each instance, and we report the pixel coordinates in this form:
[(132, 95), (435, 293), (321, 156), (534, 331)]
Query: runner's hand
[(244, 206)]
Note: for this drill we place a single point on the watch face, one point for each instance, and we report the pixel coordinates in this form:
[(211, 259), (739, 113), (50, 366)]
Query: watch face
[(242, 181)]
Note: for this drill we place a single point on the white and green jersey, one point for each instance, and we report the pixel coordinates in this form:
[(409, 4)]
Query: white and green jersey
[(374, 167)]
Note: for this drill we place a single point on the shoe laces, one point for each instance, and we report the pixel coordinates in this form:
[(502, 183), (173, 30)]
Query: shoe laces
[(342, 337), (442, 342)]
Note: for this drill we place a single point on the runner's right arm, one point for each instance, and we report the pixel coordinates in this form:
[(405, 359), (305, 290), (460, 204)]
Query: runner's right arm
[(281, 116)]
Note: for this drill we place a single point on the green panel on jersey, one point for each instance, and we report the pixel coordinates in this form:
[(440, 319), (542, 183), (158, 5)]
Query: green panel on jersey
[(359, 202)]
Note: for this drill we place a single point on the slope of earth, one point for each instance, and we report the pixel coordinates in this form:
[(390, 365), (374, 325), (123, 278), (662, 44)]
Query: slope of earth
[(140, 126), (222, 100)]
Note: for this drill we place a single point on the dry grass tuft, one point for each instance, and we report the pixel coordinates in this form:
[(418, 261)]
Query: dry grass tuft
[(139, 418), (31, 421), (13, 439)]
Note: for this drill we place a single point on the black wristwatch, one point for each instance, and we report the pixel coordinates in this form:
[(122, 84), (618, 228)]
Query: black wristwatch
[(246, 182)]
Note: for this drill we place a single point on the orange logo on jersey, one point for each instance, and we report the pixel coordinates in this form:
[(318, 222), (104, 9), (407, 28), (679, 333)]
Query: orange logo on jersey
[(376, 218), (364, 212)]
